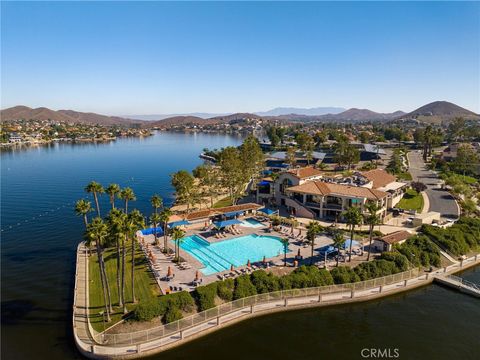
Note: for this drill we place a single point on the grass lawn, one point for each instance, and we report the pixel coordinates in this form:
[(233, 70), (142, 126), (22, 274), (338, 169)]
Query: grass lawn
[(411, 201), (223, 202), (145, 285), (405, 176)]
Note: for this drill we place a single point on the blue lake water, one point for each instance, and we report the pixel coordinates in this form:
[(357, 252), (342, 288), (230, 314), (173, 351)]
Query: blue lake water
[(40, 233)]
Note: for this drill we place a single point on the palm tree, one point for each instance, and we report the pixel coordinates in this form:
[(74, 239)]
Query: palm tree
[(313, 229), (338, 242), (353, 217), (285, 243), (127, 195), (128, 229), (165, 215), (97, 231), (137, 222), (112, 190), (82, 208), (155, 219), (177, 235), (156, 202), (95, 188), (371, 219), (116, 219)]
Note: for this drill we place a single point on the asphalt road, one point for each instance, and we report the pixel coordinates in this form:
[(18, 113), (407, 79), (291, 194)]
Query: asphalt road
[(440, 200)]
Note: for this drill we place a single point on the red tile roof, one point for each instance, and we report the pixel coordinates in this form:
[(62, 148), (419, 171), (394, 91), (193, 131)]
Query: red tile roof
[(202, 214), (305, 172), (379, 177), (396, 237), (323, 188)]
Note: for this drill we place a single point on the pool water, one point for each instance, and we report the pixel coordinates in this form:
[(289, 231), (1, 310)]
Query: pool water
[(252, 223), (221, 255)]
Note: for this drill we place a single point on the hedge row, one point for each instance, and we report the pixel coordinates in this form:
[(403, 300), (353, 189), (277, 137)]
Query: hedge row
[(457, 239), (420, 251), (168, 307)]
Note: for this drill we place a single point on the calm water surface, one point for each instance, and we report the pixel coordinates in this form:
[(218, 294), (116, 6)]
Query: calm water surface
[(40, 234)]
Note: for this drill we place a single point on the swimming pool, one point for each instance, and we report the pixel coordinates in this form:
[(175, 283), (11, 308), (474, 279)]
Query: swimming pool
[(252, 223), (221, 255)]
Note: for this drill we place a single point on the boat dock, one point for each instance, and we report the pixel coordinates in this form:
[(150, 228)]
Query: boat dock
[(459, 283)]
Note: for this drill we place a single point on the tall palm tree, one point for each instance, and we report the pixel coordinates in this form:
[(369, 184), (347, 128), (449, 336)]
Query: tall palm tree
[(371, 219), (96, 189), (177, 235), (97, 231), (155, 219), (165, 215), (82, 208), (338, 242), (128, 229), (116, 219), (137, 221), (285, 243), (113, 190), (156, 202), (127, 195), (353, 217), (313, 229)]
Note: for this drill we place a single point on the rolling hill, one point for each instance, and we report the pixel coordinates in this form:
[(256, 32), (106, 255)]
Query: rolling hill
[(69, 116), (438, 111)]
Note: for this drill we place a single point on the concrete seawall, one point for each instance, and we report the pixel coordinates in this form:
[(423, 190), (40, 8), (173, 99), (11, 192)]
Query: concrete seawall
[(314, 297)]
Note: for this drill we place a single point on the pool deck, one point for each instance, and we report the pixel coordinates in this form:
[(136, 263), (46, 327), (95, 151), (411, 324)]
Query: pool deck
[(183, 277)]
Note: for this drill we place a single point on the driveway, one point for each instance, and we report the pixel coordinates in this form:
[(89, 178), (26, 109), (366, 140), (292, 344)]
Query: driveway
[(440, 200)]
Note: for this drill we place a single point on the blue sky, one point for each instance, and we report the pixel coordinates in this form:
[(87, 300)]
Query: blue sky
[(153, 57)]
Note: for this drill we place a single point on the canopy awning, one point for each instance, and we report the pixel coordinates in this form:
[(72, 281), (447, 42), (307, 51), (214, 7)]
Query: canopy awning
[(178, 223), (150, 231), (233, 213), (222, 224), (268, 211), (326, 250), (264, 183), (354, 244)]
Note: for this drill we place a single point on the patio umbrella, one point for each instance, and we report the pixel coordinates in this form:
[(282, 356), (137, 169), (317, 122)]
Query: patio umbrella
[(298, 253), (231, 267), (169, 272), (264, 259), (249, 264), (197, 275)]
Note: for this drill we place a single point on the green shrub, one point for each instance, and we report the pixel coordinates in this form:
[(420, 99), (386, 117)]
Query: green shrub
[(285, 283), (172, 314), (225, 289), (310, 276), (243, 287), (400, 261), (181, 300), (146, 311), (205, 296), (264, 282), (344, 275)]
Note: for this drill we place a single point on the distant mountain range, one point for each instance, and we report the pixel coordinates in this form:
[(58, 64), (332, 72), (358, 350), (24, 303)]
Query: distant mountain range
[(433, 112), (301, 111)]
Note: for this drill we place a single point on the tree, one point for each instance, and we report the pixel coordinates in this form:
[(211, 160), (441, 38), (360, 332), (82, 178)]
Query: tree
[(96, 189), (346, 154), (127, 195), (233, 177), (165, 215), (285, 243), (313, 229), (113, 190), (251, 158), (177, 235), (306, 144), (353, 217), (290, 157), (418, 186), (183, 183), (207, 176), (155, 218), (371, 219), (115, 221), (97, 231), (338, 242), (82, 208), (456, 129), (364, 137), (466, 160), (156, 202), (135, 218)]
